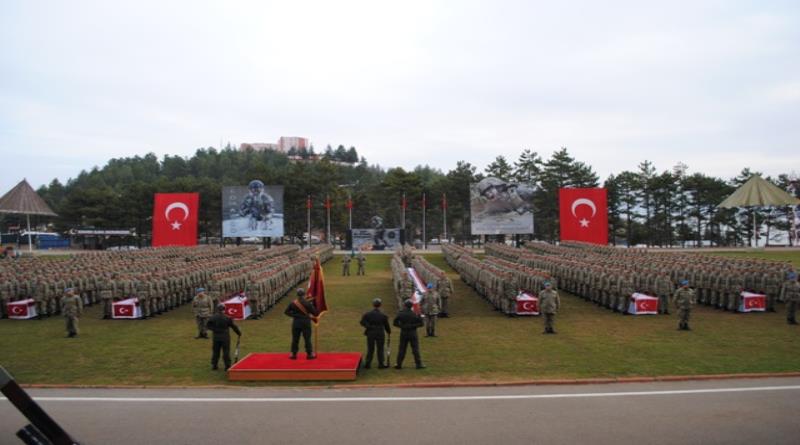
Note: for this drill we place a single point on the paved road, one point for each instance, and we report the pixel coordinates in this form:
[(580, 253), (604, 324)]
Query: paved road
[(729, 412)]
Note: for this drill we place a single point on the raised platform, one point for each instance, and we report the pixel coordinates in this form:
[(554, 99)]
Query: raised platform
[(278, 366)]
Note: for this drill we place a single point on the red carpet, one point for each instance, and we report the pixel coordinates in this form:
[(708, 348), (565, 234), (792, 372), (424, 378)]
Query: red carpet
[(278, 366)]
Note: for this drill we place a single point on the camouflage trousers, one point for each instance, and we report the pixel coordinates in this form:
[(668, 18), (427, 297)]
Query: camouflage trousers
[(202, 330), (791, 311), (72, 324), (549, 322), (683, 317)]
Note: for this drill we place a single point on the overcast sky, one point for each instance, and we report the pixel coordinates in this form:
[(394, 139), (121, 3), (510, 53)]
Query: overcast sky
[(714, 84)]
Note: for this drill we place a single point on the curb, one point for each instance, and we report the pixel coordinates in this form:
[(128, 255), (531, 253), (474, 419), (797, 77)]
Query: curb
[(541, 382)]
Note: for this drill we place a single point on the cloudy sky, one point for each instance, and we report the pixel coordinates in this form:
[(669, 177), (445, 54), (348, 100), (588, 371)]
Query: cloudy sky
[(713, 84)]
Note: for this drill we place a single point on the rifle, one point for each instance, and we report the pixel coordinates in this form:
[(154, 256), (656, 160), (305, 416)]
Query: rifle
[(236, 353), (389, 350), (42, 429)]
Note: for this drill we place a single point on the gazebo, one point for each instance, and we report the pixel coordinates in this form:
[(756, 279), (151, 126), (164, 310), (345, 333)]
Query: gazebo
[(23, 200), (758, 192)]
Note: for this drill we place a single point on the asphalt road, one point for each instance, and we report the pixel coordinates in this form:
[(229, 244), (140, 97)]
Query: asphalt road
[(727, 411)]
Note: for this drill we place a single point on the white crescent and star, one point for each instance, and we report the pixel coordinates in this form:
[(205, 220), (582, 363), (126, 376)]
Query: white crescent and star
[(17, 309), (581, 202), (124, 310), (527, 306), (176, 225)]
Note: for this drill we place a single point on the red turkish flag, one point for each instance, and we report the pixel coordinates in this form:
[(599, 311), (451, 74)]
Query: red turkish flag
[(527, 304), (17, 310), (123, 310), (584, 215), (234, 310), (753, 302), (348, 204), (647, 305), (175, 219)]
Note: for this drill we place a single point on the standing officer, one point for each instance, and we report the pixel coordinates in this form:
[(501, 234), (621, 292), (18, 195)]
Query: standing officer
[(219, 323), (71, 307), (431, 305), (202, 306), (791, 295), (302, 311), (408, 322), (346, 265), (375, 324), (684, 300), (361, 259), (549, 304)]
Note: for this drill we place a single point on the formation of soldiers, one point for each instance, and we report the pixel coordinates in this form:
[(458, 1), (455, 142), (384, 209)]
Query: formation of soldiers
[(403, 258), (608, 276), (496, 279), (162, 279)]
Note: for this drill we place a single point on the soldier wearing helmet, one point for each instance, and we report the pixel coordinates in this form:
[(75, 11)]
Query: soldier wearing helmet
[(498, 196), (257, 205)]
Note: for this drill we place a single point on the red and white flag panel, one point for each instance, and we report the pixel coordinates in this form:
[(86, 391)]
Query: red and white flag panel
[(175, 219), (753, 302), (583, 215)]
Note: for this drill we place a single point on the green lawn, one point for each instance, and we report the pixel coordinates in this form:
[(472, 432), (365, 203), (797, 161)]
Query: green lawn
[(476, 344)]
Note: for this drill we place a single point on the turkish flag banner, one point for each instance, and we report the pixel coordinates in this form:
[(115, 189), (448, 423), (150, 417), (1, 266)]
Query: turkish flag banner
[(175, 219), (642, 304), (753, 302), (583, 215), (126, 309), (22, 309), (527, 304), (237, 307)]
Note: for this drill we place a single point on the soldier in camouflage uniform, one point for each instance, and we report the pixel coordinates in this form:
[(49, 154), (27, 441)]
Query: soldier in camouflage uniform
[(71, 308), (684, 300), (549, 304), (346, 265), (361, 260), (791, 295)]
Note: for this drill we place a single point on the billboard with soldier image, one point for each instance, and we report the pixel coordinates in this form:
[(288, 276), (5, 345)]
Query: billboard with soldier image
[(377, 237), (499, 207), (254, 210)]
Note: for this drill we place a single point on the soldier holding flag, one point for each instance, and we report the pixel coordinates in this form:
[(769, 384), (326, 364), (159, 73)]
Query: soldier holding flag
[(302, 311)]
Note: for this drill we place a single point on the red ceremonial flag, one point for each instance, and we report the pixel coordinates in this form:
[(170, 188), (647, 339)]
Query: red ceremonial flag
[(308, 202), (175, 219), (584, 215), (424, 202), (647, 305), (348, 204), (444, 201), (316, 289), (327, 203), (404, 203)]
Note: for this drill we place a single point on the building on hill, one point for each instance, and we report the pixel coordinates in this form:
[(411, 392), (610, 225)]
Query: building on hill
[(284, 144)]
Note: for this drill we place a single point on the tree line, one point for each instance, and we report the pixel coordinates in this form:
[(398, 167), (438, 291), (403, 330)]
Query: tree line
[(647, 206)]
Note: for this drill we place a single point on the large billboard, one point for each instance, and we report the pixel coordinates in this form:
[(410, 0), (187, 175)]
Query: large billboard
[(376, 239), (500, 207), (252, 210)]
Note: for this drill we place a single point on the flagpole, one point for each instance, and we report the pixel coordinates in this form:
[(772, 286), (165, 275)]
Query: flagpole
[(350, 211), (328, 212), (444, 213), (308, 211), (403, 212), (424, 234)]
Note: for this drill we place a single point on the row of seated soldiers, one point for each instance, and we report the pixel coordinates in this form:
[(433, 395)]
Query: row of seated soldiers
[(405, 257), (162, 278), (609, 276), (497, 280)]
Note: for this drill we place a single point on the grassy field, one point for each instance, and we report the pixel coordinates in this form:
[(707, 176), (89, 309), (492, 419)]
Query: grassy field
[(476, 344)]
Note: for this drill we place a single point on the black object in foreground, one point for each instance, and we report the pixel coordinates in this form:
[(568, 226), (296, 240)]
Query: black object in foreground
[(43, 430)]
